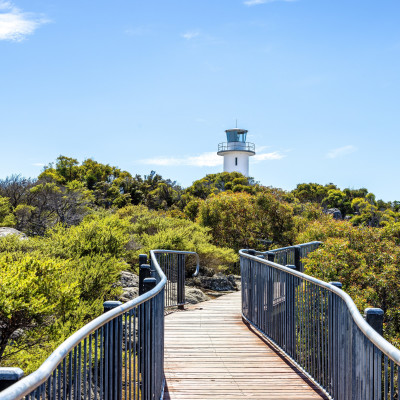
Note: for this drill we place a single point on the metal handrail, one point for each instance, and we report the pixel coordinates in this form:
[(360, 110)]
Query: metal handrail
[(380, 342), (263, 275), (32, 382), (174, 267), (181, 252), (236, 146), (290, 254)]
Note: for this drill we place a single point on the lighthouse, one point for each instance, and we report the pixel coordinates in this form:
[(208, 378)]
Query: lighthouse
[(236, 151)]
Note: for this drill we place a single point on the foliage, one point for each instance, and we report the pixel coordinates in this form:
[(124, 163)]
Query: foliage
[(357, 205), (239, 220), (52, 285), (16, 189), (35, 296), (89, 221), (366, 261), (156, 230), (6, 216), (216, 183)]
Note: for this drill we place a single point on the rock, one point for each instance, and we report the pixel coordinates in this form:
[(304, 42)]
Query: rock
[(130, 286), (4, 231), (218, 282), (238, 281), (128, 279), (129, 293), (194, 295), (335, 212)]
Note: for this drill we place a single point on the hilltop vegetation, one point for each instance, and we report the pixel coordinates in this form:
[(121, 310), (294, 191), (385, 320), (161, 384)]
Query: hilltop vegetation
[(86, 222)]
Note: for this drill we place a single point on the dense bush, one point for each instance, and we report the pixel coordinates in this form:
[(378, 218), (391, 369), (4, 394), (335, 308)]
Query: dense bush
[(240, 220), (367, 262), (89, 221)]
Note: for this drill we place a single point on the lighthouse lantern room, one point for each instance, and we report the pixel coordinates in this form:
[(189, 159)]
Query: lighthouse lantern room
[(236, 151)]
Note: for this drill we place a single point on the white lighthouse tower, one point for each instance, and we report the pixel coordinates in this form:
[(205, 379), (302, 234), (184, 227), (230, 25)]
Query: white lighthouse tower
[(236, 151)]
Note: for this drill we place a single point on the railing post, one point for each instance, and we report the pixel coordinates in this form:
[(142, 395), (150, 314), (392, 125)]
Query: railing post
[(181, 281), (333, 348), (8, 376), (251, 285), (297, 258), (290, 312), (144, 272), (113, 353), (270, 256), (147, 345), (374, 316), (142, 259), (148, 284)]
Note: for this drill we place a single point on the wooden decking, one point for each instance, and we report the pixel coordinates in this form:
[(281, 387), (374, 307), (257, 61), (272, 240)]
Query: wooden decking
[(211, 354)]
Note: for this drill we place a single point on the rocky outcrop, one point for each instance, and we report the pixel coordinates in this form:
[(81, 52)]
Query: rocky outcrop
[(4, 231), (129, 282), (335, 212), (218, 282), (128, 279), (195, 295), (130, 285)]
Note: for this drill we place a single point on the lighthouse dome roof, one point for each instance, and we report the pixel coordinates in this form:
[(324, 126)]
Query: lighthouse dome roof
[(237, 130)]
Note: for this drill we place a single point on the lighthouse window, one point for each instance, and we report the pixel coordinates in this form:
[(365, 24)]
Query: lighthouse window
[(235, 160)]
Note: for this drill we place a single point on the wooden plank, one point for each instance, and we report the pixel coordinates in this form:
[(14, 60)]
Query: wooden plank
[(211, 354)]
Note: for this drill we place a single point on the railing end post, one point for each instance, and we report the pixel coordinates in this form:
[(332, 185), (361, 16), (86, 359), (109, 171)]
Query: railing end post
[(110, 304), (297, 257), (144, 272), (337, 284), (142, 259), (9, 375), (148, 284), (374, 317), (270, 256)]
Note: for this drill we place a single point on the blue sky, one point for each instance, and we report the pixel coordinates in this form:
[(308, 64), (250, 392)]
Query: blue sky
[(153, 84)]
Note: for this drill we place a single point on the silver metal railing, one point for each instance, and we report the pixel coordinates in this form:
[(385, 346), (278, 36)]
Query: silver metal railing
[(320, 328), (117, 356), (291, 255), (173, 264)]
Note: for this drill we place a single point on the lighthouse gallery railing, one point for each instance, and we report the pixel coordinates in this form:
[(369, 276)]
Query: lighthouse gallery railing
[(234, 146), (320, 328)]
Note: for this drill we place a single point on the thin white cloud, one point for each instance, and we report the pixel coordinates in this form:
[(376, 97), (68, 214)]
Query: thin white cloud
[(341, 151), (275, 155), (15, 24), (38, 164), (257, 2), (210, 159), (190, 35)]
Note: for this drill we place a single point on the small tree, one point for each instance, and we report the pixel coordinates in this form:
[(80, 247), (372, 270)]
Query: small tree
[(34, 295)]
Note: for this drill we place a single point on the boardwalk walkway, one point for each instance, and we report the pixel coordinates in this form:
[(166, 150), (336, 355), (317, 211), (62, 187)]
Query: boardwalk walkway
[(211, 354)]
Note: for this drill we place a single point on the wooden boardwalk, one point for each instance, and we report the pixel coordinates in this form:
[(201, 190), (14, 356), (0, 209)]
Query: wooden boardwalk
[(211, 354)]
